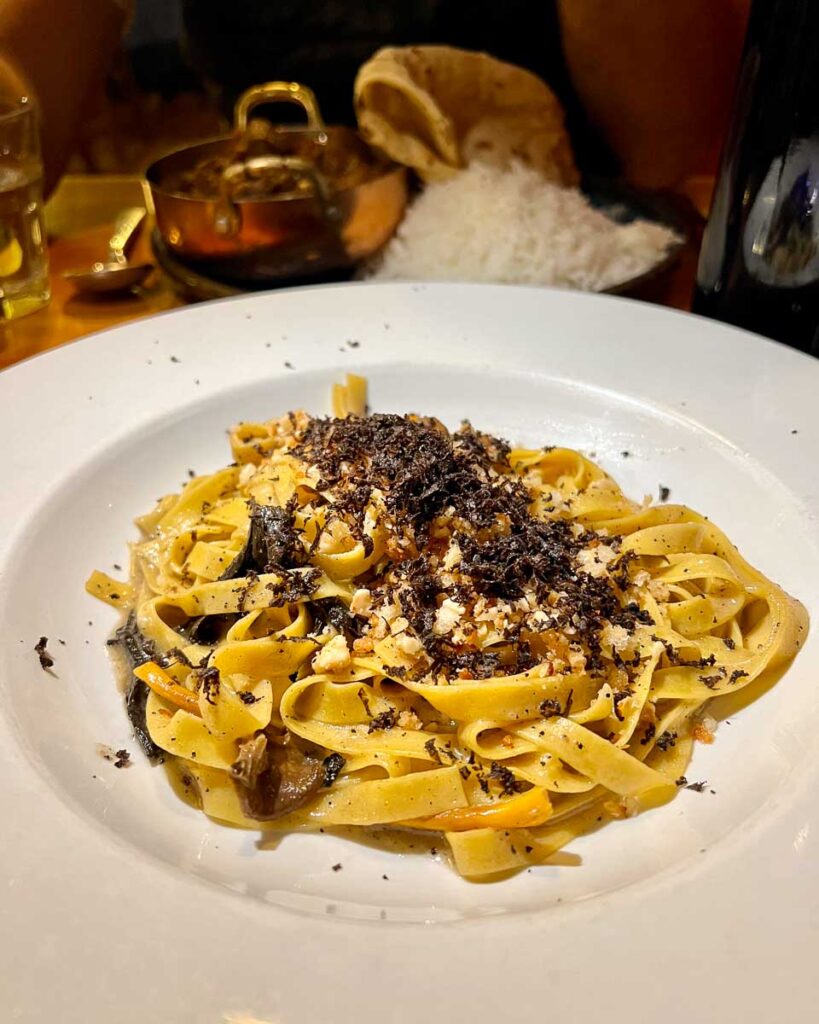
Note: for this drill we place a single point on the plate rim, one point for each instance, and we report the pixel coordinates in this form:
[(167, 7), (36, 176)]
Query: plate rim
[(761, 351)]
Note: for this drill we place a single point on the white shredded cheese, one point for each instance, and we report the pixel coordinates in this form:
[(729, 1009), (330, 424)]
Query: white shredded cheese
[(594, 560), (509, 225), (616, 636)]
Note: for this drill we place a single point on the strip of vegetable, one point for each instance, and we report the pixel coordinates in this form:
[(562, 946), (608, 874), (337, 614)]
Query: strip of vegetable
[(162, 684), (525, 811)]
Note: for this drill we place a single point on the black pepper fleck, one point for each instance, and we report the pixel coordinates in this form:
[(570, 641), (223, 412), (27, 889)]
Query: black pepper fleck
[(333, 766), (46, 661), (667, 740)]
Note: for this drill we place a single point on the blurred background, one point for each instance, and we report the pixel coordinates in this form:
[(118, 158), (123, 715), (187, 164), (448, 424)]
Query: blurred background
[(647, 89), (647, 86)]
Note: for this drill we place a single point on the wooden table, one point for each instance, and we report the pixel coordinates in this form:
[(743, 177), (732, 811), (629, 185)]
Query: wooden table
[(79, 218)]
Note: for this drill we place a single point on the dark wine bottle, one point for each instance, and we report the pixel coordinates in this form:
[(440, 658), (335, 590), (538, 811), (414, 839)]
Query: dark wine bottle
[(759, 261)]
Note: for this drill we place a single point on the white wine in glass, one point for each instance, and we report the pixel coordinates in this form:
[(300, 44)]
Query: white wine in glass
[(24, 285)]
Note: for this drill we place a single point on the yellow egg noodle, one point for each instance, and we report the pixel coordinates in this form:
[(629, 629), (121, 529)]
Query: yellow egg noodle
[(370, 621)]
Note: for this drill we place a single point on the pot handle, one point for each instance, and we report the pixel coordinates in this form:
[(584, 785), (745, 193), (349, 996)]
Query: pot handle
[(228, 214), (277, 92)]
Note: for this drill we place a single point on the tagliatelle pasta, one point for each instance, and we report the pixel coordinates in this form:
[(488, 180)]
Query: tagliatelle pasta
[(370, 621)]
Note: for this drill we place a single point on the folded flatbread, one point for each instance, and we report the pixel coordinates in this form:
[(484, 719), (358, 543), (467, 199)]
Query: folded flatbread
[(437, 108)]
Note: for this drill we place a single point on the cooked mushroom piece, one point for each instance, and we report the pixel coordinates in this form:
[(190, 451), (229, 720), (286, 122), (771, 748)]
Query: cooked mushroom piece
[(207, 629), (271, 543), (138, 649), (330, 611), (274, 775), (272, 537)]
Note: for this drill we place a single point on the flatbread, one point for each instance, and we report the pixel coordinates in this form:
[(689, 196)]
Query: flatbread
[(437, 108)]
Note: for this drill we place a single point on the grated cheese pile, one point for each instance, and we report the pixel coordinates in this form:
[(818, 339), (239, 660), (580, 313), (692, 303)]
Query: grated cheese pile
[(511, 226)]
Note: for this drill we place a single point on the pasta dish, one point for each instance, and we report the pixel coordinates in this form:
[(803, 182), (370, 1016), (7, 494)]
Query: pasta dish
[(368, 621)]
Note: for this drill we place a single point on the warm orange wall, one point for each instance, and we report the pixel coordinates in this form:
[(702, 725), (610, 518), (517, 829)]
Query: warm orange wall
[(61, 50), (657, 76)]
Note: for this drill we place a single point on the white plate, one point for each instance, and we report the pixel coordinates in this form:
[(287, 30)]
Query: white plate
[(121, 904)]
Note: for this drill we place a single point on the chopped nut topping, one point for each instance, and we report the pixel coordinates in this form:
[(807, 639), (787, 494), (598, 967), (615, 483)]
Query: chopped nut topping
[(409, 645), (333, 656), (361, 602), (477, 576), (447, 617)]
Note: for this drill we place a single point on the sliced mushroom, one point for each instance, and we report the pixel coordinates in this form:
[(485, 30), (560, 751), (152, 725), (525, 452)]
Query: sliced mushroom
[(138, 649), (208, 629), (275, 775), (330, 611), (271, 543), (272, 538)]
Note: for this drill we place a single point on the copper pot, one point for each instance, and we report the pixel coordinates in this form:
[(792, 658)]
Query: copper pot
[(339, 204)]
